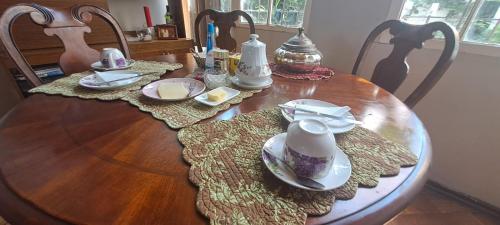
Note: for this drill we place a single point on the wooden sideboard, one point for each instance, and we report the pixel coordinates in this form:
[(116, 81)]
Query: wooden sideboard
[(40, 49), (140, 50)]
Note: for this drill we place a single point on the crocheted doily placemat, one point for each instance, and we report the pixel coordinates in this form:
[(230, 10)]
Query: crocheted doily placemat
[(183, 113), (68, 86), (319, 73), (235, 187)]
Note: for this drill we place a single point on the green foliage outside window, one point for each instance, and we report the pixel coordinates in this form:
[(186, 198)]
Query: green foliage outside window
[(482, 28)]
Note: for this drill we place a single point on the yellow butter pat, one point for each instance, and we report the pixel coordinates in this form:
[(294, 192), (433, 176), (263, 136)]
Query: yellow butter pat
[(216, 95), (172, 91)]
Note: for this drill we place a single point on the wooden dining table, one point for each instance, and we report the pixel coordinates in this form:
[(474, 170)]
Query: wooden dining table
[(65, 160)]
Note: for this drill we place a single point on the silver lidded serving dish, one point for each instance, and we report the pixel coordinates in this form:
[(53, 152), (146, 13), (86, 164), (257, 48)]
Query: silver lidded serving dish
[(298, 54)]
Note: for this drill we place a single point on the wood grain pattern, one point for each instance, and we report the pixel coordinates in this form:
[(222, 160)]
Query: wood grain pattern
[(69, 25), (224, 21), (390, 72), (108, 163), (433, 207)]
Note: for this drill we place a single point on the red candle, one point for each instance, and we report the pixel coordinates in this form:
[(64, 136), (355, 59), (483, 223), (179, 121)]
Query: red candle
[(148, 16)]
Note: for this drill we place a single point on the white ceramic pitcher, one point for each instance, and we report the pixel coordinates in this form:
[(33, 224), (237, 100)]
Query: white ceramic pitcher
[(253, 68)]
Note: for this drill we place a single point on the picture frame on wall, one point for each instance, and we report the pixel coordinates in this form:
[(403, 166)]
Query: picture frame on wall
[(166, 32)]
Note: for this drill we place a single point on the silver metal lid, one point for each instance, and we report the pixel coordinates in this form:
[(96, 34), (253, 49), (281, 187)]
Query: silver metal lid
[(300, 43)]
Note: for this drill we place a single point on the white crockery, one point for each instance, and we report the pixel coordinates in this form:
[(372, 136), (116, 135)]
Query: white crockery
[(310, 148), (230, 94), (267, 82), (93, 82), (253, 68), (337, 126), (336, 177), (112, 58)]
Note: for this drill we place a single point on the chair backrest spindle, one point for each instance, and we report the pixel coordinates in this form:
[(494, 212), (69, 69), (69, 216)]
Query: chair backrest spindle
[(390, 72), (224, 21), (68, 25)]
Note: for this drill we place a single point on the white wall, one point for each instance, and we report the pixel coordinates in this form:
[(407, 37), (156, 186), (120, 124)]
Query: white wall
[(130, 13), (461, 113), (273, 39)]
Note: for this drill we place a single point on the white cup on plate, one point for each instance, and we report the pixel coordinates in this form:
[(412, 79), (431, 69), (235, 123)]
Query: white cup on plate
[(310, 148), (112, 58)]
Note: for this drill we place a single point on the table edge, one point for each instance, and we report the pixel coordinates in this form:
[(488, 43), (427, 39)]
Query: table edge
[(384, 209)]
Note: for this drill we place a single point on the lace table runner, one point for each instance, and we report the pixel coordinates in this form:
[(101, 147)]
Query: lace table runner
[(68, 86), (235, 187), (182, 113), (319, 73)]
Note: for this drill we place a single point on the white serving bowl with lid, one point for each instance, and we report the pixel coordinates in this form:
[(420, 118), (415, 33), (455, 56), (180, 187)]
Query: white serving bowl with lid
[(253, 68)]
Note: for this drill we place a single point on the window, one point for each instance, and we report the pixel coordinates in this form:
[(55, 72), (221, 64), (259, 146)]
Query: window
[(275, 13), (476, 20)]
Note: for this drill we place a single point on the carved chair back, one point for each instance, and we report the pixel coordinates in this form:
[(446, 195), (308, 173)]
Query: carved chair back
[(224, 21), (69, 25), (390, 72)]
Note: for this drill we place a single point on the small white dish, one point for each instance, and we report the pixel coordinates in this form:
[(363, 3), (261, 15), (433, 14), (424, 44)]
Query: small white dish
[(338, 175), (92, 82), (230, 93), (265, 84), (195, 87), (337, 126), (98, 66)]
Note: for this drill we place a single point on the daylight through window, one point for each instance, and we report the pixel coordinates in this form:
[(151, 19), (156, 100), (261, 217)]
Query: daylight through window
[(476, 20), (284, 13)]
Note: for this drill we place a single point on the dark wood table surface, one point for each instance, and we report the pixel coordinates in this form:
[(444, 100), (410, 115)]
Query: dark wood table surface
[(65, 160)]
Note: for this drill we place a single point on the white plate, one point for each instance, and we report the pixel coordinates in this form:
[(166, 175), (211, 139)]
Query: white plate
[(336, 126), (195, 88), (92, 82), (267, 83), (230, 93), (338, 175), (98, 66)]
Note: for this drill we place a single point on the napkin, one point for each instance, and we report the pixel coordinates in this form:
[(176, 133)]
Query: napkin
[(110, 76), (340, 112), (332, 111)]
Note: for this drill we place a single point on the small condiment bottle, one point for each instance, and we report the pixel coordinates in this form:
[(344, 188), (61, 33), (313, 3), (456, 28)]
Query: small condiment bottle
[(221, 60)]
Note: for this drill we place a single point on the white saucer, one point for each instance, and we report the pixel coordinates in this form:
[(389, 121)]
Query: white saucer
[(336, 126), (98, 66), (338, 175), (267, 83), (91, 81)]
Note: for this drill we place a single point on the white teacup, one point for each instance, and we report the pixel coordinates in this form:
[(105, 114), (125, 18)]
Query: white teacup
[(310, 148), (112, 58)]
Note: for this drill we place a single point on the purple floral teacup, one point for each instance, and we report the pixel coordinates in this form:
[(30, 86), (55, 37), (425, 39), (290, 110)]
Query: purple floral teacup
[(310, 148), (112, 58)]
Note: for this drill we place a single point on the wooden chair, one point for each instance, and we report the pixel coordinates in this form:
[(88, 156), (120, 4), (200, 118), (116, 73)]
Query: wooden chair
[(224, 21), (68, 25), (390, 72)]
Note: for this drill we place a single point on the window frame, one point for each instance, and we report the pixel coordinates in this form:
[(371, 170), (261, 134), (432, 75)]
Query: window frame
[(465, 46), (236, 5)]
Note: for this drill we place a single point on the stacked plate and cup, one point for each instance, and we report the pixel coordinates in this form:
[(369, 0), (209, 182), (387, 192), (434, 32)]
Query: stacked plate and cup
[(110, 72), (306, 156)]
